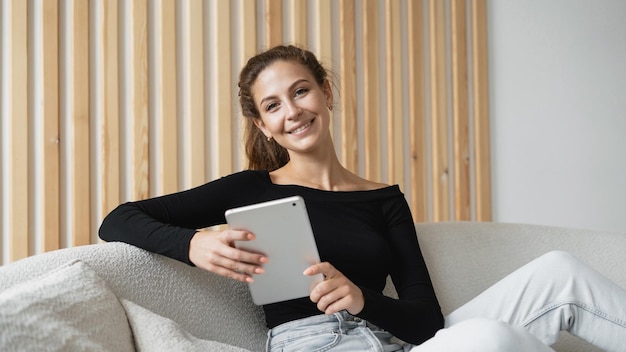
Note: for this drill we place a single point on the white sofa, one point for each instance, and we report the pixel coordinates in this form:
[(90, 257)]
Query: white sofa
[(113, 296)]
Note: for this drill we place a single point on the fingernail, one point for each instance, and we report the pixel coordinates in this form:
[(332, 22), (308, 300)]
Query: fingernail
[(259, 271), (264, 260)]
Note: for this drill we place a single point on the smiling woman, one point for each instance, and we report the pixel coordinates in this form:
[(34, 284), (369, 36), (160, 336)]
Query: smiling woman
[(286, 97)]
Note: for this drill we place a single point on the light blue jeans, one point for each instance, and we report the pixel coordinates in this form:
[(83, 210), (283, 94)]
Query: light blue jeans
[(523, 312), (338, 332)]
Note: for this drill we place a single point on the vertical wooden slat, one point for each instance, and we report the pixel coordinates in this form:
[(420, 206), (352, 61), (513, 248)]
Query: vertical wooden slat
[(248, 30), (195, 91), (139, 187), (322, 40), (222, 89), (168, 129), (460, 111), (322, 32), (439, 125), (481, 111), (51, 138), (415, 50), (110, 163), (371, 90), (273, 23), (395, 115), (80, 138), (298, 22), (347, 54), (18, 191), (247, 48)]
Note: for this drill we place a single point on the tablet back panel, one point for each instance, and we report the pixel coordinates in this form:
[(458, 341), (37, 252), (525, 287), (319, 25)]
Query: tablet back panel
[(283, 233)]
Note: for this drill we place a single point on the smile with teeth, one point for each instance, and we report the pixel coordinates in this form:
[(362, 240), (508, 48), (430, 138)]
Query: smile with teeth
[(302, 128)]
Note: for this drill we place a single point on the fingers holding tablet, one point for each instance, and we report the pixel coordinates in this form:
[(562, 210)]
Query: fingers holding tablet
[(215, 252), (336, 292)]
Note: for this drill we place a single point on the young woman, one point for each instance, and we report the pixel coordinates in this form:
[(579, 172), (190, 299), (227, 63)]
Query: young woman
[(286, 96)]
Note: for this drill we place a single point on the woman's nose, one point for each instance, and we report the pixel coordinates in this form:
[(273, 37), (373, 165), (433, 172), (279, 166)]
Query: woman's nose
[(293, 110)]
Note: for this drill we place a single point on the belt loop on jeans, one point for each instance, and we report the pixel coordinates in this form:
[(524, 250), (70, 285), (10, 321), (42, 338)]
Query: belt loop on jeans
[(340, 316)]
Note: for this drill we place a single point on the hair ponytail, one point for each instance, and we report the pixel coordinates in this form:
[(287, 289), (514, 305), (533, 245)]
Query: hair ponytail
[(262, 154)]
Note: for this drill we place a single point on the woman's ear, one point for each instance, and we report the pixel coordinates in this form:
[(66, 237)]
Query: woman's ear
[(328, 92), (258, 122)]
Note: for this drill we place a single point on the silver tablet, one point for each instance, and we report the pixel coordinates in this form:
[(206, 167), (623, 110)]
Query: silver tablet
[(283, 233)]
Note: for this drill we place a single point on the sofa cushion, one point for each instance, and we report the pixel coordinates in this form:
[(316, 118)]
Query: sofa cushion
[(68, 309), (153, 332)]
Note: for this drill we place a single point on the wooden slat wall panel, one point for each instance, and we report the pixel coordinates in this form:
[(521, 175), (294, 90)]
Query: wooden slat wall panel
[(247, 47), (193, 95), (460, 111), (395, 116), (80, 121), (51, 138), (18, 147), (417, 111), (347, 71), (166, 110), (222, 99), (273, 23), (371, 88), (482, 148), (109, 106), (139, 98), (298, 22), (321, 35), (137, 163), (439, 112)]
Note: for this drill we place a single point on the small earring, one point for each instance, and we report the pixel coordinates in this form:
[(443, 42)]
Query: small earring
[(330, 107), (269, 138)]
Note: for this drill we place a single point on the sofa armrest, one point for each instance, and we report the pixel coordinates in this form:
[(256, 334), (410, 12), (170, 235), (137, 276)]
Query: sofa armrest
[(465, 258), (206, 305)]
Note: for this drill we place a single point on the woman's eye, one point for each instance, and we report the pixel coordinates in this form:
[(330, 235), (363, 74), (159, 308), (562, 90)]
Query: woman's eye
[(270, 106), (301, 91)]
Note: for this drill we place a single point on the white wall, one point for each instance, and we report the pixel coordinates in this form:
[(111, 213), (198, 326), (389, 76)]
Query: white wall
[(558, 112)]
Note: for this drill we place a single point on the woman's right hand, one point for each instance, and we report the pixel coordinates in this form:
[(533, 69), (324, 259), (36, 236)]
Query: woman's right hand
[(215, 251)]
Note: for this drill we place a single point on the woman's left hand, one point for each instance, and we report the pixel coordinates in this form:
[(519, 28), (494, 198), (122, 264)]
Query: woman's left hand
[(336, 292)]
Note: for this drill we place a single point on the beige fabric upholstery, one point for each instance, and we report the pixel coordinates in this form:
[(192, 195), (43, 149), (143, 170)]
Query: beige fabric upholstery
[(68, 309), (463, 259)]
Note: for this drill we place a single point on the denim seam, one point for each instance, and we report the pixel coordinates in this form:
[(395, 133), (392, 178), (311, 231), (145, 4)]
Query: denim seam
[(372, 341), (593, 310)]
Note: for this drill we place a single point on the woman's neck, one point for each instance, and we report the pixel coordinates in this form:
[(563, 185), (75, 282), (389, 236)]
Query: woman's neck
[(330, 176), (327, 174)]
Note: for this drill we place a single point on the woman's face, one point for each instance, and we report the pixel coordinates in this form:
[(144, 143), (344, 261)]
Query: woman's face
[(294, 108)]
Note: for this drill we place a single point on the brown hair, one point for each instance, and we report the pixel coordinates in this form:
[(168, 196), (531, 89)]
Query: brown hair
[(263, 154)]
